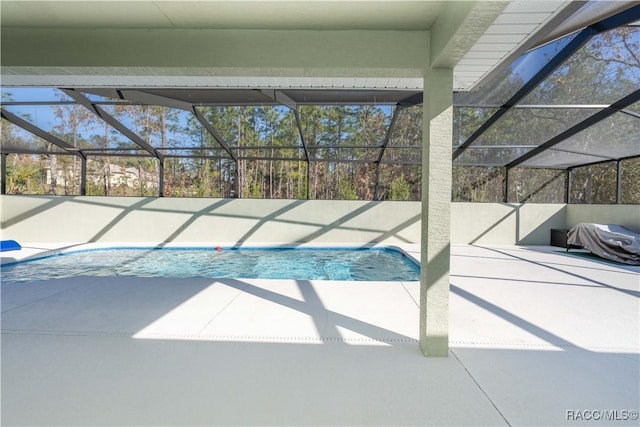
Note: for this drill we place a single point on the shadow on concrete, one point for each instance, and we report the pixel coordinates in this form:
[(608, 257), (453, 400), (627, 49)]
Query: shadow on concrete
[(630, 292), (123, 306), (518, 280), (68, 359), (80, 380), (518, 321)]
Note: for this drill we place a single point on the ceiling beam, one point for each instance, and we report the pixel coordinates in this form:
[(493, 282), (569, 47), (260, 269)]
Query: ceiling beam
[(113, 52), (41, 133), (387, 136), (293, 106), (214, 133), (152, 99), (112, 121), (280, 97), (412, 100), (401, 105)]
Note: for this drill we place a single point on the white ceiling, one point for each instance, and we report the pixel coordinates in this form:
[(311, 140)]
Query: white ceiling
[(521, 21), (512, 33), (221, 14)]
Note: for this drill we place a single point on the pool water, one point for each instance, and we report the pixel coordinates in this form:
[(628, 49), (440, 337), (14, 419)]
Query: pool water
[(368, 264)]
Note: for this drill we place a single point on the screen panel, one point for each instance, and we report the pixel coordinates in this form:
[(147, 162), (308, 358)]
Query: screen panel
[(399, 182), (615, 137), (594, 184), (407, 131), (466, 120), (560, 159), (532, 126), (508, 81), (477, 184), (630, 181), (122, 176), (489, 155), (14, 138), (33, 94), (532, 185), (604, 70)]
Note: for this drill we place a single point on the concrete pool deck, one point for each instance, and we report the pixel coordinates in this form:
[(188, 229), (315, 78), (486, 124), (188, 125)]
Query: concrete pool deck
[(537, 337)]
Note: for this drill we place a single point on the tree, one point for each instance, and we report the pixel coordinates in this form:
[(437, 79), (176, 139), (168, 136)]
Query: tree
[(24, 175), (399, 189)]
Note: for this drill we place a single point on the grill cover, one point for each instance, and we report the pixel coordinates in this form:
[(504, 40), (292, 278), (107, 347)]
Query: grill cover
[(610, 241)]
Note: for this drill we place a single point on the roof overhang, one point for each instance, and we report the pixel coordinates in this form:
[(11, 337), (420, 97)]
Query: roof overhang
[(475, 37)]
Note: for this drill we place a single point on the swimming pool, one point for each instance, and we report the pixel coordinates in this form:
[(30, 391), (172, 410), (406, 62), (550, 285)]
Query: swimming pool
[(358, 264)]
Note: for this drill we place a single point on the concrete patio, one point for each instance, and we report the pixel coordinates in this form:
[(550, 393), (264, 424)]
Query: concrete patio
[(537, 337)]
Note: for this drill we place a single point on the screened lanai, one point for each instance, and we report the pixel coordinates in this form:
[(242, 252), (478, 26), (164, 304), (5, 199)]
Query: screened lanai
[(569, 106), (559, 123), (370, 100)]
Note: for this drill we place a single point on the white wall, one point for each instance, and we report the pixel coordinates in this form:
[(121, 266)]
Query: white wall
[(134, 219), (626, 215), (505, 223)]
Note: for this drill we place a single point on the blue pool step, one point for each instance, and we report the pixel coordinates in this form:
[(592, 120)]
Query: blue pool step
[(9, 245)]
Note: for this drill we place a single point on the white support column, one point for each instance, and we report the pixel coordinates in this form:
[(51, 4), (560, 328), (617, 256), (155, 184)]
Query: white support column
[(436, 208)]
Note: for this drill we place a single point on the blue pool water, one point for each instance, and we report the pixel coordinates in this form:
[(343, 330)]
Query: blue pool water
[(369, 264)]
